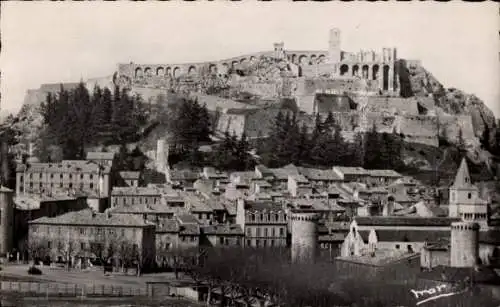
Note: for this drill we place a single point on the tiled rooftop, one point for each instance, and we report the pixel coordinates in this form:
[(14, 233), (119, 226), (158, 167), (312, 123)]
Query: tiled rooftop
[(129, 175), (94, 155), (222, 230), (145, 208), (187, 219), (347, 170), (88, 218), (65, 166), (409, 236), (395, 221), (261, 205), (132, 191), (389, 173), (319, 175)]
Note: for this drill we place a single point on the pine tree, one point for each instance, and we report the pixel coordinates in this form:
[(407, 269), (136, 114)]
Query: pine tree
[(357, 151), (304, 148), (372, 149)]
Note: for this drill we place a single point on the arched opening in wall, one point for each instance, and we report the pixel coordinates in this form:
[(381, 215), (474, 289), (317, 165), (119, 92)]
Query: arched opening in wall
[(192, 70), (303, 60), (160, 71), (177, 72), (212, 68), (148, 72), (375, 70), (168, 72), (138, 72), (243, 60), (344, 69), (365, 70), (355, 70), (294, 58), (252, 59), (386, 77), (321, 59), (313, 59), (234, 64)]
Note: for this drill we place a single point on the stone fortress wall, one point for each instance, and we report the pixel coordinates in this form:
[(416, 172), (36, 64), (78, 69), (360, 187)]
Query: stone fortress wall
[(369, 78)]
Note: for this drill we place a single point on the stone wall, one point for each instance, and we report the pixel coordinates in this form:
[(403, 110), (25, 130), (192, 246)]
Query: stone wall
[(418, 125), (317, 70), (453, 124), (393, 105), (265, 90), (233, 123)]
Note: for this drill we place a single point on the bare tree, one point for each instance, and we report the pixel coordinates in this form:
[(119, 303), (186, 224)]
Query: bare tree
[(38, 249)]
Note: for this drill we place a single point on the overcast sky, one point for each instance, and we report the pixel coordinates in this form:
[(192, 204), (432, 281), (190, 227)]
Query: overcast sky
[(46, 42)]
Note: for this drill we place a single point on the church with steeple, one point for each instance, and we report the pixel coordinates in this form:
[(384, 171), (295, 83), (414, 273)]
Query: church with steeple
[(464, 200)]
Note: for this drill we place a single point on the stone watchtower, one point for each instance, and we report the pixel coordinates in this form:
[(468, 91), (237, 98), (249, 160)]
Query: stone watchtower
[(6, 220), (334, 51), (464, 244), (304, 235)]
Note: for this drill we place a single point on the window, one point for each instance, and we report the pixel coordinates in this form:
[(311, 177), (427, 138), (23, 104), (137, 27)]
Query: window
[(193, 238), (249, 242), (82, 245), (70, 185), (31, 176), (82, 231), (257, 232), (70, 176), (91, 185), (221, 240), (183, 238), (257, 243), (49, 244), (470, 195), (21, 178), (61, 185), (81, 187), (264, 243), (252, 217), (265, 232), (123, 232), (271, 243), (41, 175), (282, 232), (273, 232), (91, 176), (61, 176), (397, 246), (51, 176), (249, 232), (31, 185), (81, 176)]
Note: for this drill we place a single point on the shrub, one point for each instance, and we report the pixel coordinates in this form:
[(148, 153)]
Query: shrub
[(34, 271)]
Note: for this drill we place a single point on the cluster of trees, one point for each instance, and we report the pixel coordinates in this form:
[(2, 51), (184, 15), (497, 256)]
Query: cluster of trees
[(233, 154), (119, 253), (76, 118), (267, 276), (293, 142), (191, 126)]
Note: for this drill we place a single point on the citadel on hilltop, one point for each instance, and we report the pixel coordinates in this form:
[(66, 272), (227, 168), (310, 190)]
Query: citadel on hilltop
[(361, 89)]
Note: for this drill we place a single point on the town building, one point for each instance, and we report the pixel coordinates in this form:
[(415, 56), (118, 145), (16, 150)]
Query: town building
[(130, 179), (264, 223), (222, 235), (74, 175), (72, 234), (134, 195), (395, 233)]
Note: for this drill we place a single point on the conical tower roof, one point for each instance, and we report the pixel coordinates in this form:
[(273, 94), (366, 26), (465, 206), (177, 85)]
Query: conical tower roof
[(462, 178)]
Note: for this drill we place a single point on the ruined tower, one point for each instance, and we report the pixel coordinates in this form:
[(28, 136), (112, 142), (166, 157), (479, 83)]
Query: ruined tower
[(279, 50), (304, 236), (334, 51), (464, 244), (6, 220)]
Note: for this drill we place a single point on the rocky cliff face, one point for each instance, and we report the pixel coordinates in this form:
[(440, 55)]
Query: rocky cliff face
[(452, 101)]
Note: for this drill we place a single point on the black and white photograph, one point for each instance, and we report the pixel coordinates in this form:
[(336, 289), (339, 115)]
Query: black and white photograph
[(249, 154)]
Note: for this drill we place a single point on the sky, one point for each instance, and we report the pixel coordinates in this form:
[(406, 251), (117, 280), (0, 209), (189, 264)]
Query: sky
[(51, 42)]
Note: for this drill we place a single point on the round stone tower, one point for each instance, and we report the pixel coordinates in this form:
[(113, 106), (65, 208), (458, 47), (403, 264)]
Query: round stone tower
[(304, 236), (6, 220), (464, 244)]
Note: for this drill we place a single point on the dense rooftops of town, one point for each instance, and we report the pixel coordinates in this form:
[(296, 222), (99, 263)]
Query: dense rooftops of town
[(404, 221)]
